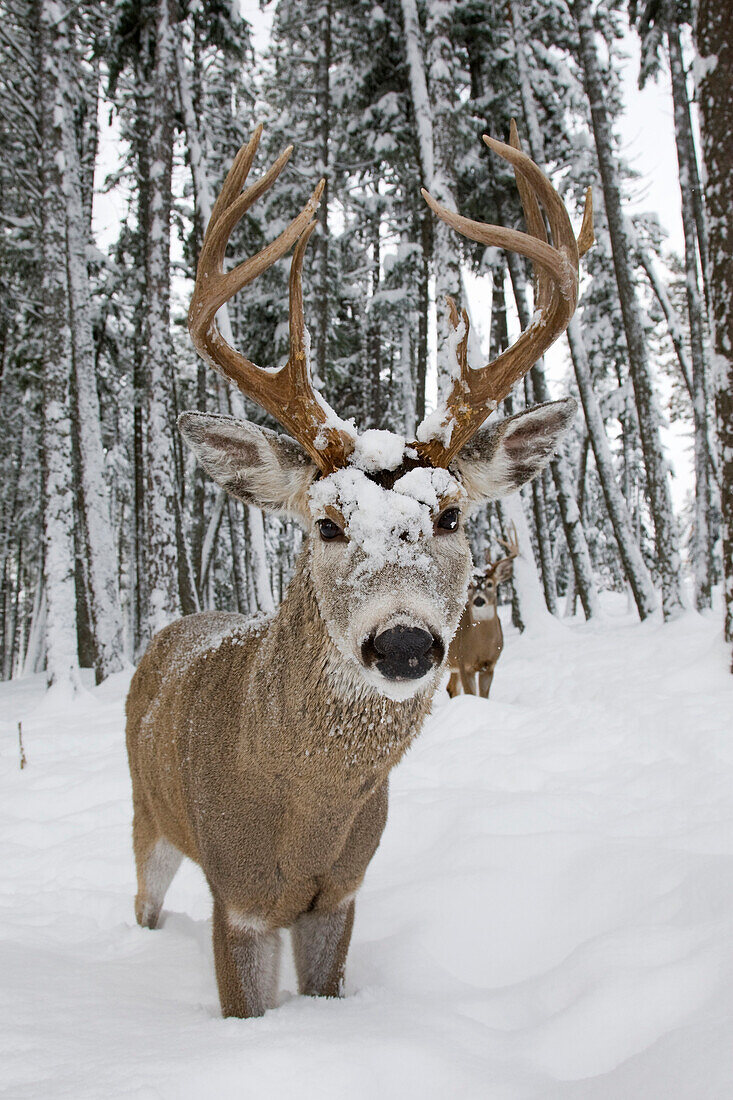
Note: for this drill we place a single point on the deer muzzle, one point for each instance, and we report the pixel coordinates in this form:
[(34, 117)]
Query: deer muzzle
[(402, 652)]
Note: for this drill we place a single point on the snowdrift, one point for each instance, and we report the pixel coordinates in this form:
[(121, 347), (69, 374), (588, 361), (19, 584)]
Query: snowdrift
[(549, 913)]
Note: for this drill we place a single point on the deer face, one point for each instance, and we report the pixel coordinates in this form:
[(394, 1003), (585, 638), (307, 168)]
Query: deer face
[(387, 554), (482, 598)]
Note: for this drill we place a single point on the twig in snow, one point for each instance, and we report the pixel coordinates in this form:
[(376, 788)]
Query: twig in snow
[(23, 760)]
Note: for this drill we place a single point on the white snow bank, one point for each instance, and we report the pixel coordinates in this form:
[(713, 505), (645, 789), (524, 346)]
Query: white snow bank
[(549, 915)]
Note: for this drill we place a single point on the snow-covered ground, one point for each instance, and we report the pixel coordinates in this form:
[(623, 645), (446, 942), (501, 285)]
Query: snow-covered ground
[(550, 913)]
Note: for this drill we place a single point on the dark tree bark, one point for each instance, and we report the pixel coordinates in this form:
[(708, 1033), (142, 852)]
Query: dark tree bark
[(715, 46), (657, 473), (703, 544)]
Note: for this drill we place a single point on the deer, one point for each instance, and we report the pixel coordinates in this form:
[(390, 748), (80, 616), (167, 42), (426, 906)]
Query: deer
[(261, 748), (478, 643)]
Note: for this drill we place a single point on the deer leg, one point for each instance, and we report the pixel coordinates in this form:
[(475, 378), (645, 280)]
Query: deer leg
[(484, 682), (157, 861), (454, 684), (247, 960), (468, 682), (320, 944)]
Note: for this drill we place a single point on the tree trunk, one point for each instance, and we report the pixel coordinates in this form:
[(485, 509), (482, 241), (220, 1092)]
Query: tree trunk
[(434, 131), (531, 607), (98, 549), (656, 468), (163, 602), (323, 166), (230, 400), (634, 566), (58, 504), (562, 475), (715, 46), (703, 544)]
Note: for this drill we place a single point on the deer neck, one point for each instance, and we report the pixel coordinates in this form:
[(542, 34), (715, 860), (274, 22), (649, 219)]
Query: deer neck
[(319, 707)]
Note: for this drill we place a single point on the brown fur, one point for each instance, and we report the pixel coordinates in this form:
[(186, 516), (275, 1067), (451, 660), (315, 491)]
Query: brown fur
[(280, 796), (478, 643), (262, 750)]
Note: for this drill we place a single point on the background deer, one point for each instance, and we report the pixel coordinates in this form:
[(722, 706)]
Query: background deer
[(261, 749), (479, 640)]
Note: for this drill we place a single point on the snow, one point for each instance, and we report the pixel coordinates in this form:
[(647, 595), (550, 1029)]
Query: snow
[(548, 915), (376, 450), (386, 525)]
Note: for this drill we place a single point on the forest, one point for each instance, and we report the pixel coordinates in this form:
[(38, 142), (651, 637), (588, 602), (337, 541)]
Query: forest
[(108, 529)]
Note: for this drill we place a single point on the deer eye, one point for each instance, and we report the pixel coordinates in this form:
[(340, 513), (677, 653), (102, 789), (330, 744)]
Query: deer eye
[(448, 520), (329, 530)]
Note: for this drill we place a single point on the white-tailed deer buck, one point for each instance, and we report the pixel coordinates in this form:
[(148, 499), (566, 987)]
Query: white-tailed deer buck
[(479, 640), (261, 749)]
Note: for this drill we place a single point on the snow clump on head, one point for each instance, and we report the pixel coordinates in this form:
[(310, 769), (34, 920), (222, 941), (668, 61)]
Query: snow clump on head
[(387, 525), (376, 450)]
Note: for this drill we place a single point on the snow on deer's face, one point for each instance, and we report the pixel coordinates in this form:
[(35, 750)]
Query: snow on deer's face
[(387, 556), (390, 563)]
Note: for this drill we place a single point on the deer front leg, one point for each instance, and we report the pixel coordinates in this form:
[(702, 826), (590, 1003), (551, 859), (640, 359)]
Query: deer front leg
[(468, 681), (247, 961), (454, 684), (485, 676), (320, 944)]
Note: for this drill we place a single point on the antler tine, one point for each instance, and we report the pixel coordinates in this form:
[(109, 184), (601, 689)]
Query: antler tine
[(236, 177), (511, 542), (476, 393), (221, 231), (298, 359), (533, 217), (287, 394)]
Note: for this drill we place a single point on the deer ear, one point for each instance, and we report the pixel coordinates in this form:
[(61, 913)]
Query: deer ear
[(503, 571), (501, 458), (252, 463)]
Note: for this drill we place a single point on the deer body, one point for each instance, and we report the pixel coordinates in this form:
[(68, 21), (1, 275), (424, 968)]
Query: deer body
[(279, 795), (479, 640), (476, 647), (261, 749)]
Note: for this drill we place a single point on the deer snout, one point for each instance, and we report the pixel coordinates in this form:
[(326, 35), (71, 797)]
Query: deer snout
[(479, 601), (402, 652)]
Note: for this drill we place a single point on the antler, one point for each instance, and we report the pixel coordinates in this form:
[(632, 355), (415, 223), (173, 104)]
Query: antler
[(286, 393), (476, 393), (510, 543)]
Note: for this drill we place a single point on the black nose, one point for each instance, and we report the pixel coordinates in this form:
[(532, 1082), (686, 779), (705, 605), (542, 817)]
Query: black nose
[(479, 601), (403, 652)]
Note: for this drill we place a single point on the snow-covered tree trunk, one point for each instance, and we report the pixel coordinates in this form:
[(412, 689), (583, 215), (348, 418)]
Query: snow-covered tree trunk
[(527, 586), (229, 397), (562, 475), (323, 97), (161, 557), (584, 583), (99, 554), (703, 547), (657, 471), (674, 326), (58, 506), (433, 121), (715, 46), (634, 566), (257, 560), (442, 88)]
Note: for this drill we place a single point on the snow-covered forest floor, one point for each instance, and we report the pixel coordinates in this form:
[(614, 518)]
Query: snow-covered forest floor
[(549, 914)]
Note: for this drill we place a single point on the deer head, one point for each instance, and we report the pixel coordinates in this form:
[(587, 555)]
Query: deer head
[(483, 589), (387, 555)]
